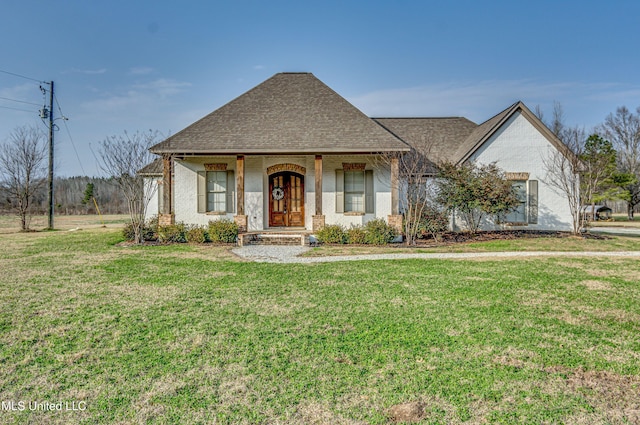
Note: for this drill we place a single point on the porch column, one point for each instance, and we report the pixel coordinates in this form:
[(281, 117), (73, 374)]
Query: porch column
[(395, 219), (166, 216), (318, 218), (240, 218)]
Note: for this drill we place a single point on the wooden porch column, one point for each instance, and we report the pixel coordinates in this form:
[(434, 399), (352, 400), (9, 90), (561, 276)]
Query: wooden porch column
[(240, 218), (395, 219), (166, 216), (395, 188), (318, 218)]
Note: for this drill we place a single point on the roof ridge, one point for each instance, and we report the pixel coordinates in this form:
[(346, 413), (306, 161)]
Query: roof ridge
[(420, 118), (513, 105), (478, 139)]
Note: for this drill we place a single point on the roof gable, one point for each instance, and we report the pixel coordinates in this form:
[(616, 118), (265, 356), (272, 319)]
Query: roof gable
[(288, 113), (488, 128)]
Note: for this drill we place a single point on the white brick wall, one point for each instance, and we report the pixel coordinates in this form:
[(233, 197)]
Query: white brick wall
[(257, 183), (519, 147), (151, 187)]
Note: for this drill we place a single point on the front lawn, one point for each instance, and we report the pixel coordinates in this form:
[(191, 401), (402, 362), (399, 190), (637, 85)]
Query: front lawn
[(189, 334), (492, 242)]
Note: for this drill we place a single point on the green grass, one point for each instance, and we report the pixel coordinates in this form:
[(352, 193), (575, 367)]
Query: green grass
[(10, 223), (618, 221), (189, 334), (569, 244)]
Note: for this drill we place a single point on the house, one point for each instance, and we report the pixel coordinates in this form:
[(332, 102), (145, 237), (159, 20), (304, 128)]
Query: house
[(292, 153), (516, 140)]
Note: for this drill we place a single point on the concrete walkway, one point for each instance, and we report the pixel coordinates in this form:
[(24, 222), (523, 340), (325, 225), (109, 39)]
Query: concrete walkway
[(621, 231), (289, 254)]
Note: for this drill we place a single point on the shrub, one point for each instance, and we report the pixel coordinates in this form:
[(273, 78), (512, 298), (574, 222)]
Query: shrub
[(475, 191), (127, 231), (197, 234), (149, 231), (223, 231), (378, 232), (332, 233), (433, 221), (356, 235), (172, 233)]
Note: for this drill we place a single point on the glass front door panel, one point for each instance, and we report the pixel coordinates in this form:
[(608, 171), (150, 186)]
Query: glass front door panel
[(286, 200)]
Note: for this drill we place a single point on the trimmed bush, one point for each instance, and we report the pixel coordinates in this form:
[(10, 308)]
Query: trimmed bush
[(172, 233), (332, 233), (433, 222), (223, 231), (149, 231), (378, 232), (197, 234), (356, 235)]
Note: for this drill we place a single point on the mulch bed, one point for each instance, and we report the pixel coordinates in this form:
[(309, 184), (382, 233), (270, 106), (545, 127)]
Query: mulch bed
[(451, 238)]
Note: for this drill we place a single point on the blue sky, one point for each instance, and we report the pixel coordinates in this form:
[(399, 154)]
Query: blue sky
[(138, 65)]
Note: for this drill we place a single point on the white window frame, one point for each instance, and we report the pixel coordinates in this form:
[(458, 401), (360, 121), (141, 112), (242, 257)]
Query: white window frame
[(221, 179), (528, 202), (351, 195)]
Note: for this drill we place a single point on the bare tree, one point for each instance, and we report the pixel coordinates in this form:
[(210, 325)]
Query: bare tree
[(623, 130), (121, 157), (415, 172), (22, 170), (563, 168), (557, 125)]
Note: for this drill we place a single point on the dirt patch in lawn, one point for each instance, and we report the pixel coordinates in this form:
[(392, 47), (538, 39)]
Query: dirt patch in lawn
[(596, 285), (617, 397), (430, 409)]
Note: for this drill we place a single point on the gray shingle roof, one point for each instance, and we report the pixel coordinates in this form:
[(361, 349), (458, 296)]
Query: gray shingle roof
[(154, 168), (437, 138), (288, 113), (456, 139)]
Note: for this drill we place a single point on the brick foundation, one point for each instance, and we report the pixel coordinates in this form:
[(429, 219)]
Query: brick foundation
[(317, 223), (241, 221), (395, 221), (166, 219)]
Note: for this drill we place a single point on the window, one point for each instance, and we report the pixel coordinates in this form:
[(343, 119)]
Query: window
[(354, 191), (526, 212), (519, 213), (216, 192)]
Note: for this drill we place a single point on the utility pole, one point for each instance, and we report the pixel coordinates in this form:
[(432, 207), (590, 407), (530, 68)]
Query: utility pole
[(51, 200)]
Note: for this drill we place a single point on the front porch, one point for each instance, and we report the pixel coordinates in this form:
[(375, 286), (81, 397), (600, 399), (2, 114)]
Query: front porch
[(278, 193)]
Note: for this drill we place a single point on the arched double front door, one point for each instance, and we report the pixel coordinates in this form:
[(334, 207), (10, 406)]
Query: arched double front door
[(286, 199)]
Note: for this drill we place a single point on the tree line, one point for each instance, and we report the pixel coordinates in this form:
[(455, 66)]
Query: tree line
[(73, 195), (605, 162), (23, 177)]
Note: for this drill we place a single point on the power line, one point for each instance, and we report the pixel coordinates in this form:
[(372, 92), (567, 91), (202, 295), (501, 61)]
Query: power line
[(64, 120), (21, 76), (17, 109), (19, 101)]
